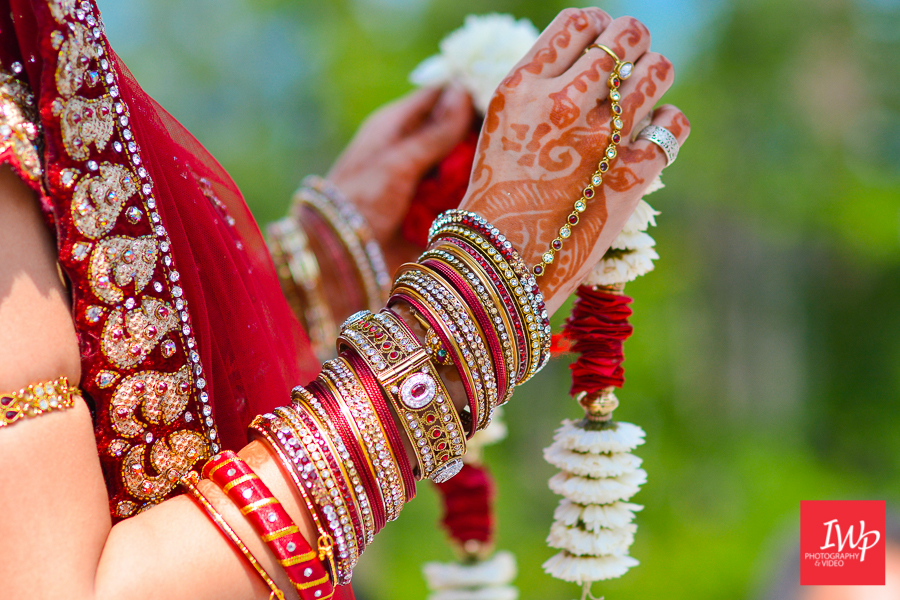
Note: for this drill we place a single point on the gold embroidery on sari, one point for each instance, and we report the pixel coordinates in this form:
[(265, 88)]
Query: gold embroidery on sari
[(98, 200), (119, 260), (170, 459), (116, 263), (84, 122), (77, 55), (160, 396), (128, 337), (60, 9)]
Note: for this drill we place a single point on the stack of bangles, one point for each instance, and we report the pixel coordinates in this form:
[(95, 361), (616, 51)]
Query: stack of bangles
[(325, 232), (341, 439)]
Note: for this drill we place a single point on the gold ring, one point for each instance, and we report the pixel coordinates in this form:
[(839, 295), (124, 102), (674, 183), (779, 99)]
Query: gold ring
[(605, 49), (622, 69)]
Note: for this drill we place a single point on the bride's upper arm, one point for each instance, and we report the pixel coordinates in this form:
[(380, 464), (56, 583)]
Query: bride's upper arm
[(52, 496), (37, 335)]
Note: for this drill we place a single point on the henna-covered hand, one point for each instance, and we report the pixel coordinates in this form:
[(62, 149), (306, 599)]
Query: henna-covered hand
[(545, 130)]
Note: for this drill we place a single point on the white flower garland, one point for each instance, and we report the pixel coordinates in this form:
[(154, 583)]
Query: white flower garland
[(593, 525)]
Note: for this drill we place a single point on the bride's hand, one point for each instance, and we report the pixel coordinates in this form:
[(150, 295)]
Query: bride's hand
[(546, 128), (393, 149)]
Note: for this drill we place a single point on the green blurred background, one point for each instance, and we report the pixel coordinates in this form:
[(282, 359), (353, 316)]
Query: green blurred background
[(765, 364)]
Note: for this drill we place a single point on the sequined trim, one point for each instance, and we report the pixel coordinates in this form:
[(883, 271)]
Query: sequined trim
[(141, 366)]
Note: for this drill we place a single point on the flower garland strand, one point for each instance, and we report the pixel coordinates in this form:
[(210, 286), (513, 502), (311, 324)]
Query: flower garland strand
[(593, 525), (468, 501)]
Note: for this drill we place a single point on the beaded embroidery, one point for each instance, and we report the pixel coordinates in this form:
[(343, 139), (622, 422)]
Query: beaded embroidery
[(153, 424)]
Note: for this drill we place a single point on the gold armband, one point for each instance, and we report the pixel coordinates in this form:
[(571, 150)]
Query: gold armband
[(36, 400)]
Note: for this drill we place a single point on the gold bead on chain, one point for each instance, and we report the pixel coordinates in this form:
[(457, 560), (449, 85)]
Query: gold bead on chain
[(621, 72)]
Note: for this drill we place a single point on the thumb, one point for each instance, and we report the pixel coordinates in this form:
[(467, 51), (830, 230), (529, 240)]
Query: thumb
[(445, 127)]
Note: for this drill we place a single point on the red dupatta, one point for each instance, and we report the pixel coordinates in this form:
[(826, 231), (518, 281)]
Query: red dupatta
[(183, 329)]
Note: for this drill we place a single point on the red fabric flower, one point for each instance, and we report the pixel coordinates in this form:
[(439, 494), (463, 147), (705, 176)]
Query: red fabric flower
[(468, 499), (597, 330)]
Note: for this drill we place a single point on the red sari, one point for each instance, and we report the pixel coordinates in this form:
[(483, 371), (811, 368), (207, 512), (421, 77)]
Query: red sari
[(183, 329)]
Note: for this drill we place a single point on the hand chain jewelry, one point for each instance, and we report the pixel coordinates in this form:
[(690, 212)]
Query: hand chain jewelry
[(621, 72)]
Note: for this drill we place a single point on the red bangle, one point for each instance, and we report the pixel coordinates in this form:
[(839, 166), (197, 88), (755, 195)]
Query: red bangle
[(326, 392), (508, 302), (468, 419), (484, 321), (301, 563), (367, 378)]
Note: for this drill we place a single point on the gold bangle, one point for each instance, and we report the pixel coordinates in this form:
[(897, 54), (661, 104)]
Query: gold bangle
[(424, 408), (443, 294), (326, 543), (361, 414), (460, 261), (36, 400), (189, 481), (301, 281)]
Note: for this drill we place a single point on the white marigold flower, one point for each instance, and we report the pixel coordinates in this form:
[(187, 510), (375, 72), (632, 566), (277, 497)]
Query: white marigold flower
[(591, 465), (624, 438), (584, 569), (584, 490), (484, 580), (632, 240), (478, 55), (644, 215), (616, 540), (622, 269), (617, 514)]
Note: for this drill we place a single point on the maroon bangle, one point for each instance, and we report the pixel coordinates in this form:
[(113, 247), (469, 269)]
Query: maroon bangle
[(472, 400), (330, 458), (367, 378), (511, 309), (243, 487), (473, 302), (352, 443)]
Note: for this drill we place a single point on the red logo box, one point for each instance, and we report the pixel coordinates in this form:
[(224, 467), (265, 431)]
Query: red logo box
[(842, 542)]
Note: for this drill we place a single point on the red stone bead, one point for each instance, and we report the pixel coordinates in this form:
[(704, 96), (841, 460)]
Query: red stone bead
[(445, 457), (442, 446), (429, 419), (6, 400), (616, 138), (604, 166), (386, 346), (538, 269), (394, 355), (556, 244), (435, 433), (616, 82), (588, 192), (573, 219)]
